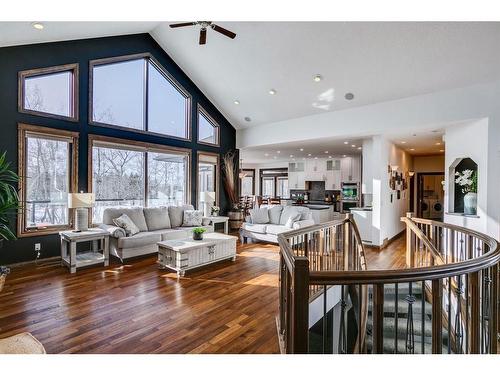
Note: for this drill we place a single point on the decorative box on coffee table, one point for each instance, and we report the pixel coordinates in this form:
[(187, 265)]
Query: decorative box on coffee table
[(185, 254)]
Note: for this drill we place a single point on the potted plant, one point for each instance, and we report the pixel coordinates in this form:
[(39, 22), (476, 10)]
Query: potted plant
[(9, 203), (230, 170), (198, 233), (467, 180), (214, 211)]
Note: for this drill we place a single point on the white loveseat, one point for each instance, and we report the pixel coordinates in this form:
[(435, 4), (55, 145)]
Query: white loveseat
[(278, 218), (155, 224)]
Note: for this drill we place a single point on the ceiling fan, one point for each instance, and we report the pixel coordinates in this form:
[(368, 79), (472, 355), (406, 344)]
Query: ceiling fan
[(203, 31)]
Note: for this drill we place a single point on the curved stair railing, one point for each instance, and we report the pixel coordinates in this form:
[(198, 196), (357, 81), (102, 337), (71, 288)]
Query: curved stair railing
[(445, 301)]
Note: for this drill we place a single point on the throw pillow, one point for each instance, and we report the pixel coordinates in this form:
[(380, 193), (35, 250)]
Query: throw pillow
[(259, 215), (192, 218), (126, 223), (292, 219), (288, 211)]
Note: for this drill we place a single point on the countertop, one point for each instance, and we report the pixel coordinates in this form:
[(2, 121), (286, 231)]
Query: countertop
[(361, 209)]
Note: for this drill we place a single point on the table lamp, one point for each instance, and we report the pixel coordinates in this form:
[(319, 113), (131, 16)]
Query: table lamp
[(81, 203), (207, 198)]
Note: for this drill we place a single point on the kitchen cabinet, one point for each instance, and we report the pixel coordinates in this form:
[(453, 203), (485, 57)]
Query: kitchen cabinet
[(350, 169), (297, 180), (315, 170), (333, 180)]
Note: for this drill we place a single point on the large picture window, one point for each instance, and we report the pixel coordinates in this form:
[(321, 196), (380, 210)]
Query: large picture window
[(50, 92), (136, 93), (127, 173), (47, 167), (208, 129)]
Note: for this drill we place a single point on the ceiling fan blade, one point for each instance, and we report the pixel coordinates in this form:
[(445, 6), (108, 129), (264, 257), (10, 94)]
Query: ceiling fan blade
[(183, 24), (224, 31), (203, 36)]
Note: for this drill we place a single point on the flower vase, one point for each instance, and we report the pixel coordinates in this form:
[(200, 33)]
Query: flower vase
[(470, 203)]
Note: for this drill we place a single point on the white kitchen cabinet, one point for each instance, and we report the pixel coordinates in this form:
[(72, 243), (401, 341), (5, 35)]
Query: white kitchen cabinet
[(333, 180), (350, 168), (297, 180), (315, 170)]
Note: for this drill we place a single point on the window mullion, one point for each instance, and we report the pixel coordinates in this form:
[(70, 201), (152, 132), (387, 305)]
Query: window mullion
[(146, 89), (146, 177)]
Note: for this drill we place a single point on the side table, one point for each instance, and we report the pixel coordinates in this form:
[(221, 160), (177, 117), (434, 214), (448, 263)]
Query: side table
[(219, 219), (99, 252)]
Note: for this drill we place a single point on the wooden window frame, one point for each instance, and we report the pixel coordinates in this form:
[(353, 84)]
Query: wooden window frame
[(141, 147), (203, 112), (149, 58), (22, 75), (217, 175), (23, 131)]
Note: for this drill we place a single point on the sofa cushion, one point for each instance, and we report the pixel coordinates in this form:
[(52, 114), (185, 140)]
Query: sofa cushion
[(259, 215), (127, 224), (139, 240), (256, 228), (192, 218), (136, 214), (305, 212), (288, 212), (170, 234), (274, 213), (156, 218), (276, 229), (176, 214)]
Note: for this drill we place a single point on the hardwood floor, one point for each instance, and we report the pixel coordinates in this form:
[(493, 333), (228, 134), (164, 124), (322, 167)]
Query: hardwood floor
[(137, 308)]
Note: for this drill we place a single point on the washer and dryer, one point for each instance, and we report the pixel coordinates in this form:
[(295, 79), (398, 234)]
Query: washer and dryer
[(436, 208)]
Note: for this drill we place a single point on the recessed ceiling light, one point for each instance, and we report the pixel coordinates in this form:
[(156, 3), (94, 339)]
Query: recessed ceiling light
[(248, 119), (412, 149), (278, 152), (441, 150), (274, 157), (326, 152), (403, 142), (301, 149), (346, 143), (303, 158), (38, 25), (309, 155), (272, 92), (236, 102), (353, 145), (359, 148), (438, 143), (349, 96), (344, 156), (317, 78), (315, 157), (291, 156), (266, 154), (329, 156)]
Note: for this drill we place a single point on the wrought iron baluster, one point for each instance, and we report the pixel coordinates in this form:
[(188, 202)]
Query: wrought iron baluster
[(449, 315), (459, 331), (343, 332), (487, 280), (423, 318), (396, 316), (410, 331), (324, 320)]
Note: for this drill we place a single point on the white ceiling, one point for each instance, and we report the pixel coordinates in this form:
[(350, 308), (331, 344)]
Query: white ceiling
[(376, 61)]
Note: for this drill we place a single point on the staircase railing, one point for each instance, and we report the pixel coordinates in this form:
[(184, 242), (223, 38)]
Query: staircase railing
[(445, 301)]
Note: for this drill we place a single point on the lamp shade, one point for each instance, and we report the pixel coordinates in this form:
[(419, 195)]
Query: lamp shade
[(79, 200), (207, 196)]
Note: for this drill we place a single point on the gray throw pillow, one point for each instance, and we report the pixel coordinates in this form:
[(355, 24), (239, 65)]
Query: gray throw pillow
[(292, 219), (259, 215), (157, 218), (176, 214), (126, 223), (192, 218)]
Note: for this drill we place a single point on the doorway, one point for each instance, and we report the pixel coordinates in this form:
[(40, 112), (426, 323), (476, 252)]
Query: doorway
[(430, 195)]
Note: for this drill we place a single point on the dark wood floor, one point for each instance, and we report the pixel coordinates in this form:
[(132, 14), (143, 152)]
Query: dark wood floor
[(137, 308)]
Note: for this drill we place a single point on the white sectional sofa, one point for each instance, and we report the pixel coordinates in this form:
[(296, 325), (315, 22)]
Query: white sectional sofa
[(155, 224), (260, 229)]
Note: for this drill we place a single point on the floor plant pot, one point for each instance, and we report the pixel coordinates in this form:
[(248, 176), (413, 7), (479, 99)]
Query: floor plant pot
[(235, 219), (470, 204)]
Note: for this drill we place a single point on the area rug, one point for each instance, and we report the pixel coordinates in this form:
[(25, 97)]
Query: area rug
[(22, 343)]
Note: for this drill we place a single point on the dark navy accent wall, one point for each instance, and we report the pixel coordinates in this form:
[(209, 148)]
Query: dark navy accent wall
[(15, 59)]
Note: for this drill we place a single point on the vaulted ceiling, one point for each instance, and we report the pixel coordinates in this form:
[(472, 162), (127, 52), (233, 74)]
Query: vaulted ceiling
[(377, 61)]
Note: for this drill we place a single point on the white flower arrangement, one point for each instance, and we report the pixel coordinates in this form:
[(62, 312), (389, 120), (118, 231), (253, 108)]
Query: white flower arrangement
[(467, 180), (214, 211)]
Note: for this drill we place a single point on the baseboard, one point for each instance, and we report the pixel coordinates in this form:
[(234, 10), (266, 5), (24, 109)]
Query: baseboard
[(386, 241)]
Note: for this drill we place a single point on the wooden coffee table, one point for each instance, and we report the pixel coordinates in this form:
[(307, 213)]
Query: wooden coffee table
[(185, 254)]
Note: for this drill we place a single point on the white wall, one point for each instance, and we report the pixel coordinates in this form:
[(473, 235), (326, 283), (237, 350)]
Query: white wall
[(468, 141)]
